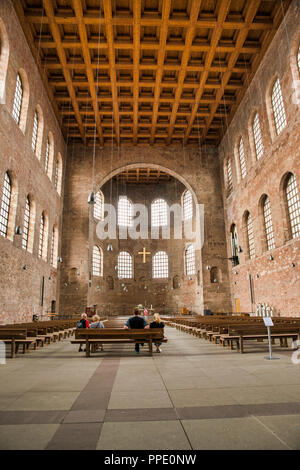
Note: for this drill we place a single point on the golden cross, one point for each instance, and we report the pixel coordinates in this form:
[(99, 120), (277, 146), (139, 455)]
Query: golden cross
[(144, 253)]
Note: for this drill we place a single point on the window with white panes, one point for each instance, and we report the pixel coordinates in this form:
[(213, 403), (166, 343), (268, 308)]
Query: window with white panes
[(99, 206), (298, 58), (125, 212), (160, 265), (47, 155), (293, 203), (268, 224), (251, 245), (190, 268), (124, 265), (42, 236), (229, 175), (26, 225), (278, 108), (5, 205), (187, 205), (159, 213), (17, 106), (97, 261), (35, 131), (259, 147), (242, 158)]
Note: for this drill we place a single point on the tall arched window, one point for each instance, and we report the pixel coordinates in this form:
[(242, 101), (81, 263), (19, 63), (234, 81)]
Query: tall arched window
[(229, 176), (58, 174), (259, 147), (293, 203), (250, 236), (42, 253), (278, 107), (99, 206), (54, 247), (17, 106), (268, 224), (298, 58), (26, 224), (242, 158), (5, 205), (124, 265), (125, 212), (187, 201), (35, 131), (4, 54), (234, 245), (47, 155), (159, 213), (190, 267), (97, 261), (160, 265)]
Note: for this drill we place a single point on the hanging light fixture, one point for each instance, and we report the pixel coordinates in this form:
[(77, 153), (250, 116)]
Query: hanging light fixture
[(109, 247), (18, 230), (91, 198)]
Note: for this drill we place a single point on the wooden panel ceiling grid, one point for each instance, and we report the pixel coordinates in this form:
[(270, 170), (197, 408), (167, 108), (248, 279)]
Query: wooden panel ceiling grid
[(142, 176), (148, 72)]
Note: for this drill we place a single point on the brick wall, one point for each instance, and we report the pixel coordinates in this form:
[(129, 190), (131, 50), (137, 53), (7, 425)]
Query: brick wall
[(275, 282), (20, 289)]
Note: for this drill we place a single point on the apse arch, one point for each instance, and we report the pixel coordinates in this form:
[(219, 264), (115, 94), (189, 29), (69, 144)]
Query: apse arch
[(101, 181)]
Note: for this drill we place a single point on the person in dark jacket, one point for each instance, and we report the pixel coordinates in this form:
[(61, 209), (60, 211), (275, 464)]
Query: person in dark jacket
[(136, 322), (83, 323), (157, 323)]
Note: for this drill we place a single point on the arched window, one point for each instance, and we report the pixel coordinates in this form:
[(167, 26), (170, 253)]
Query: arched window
[(5, 205), (229, 176), (242, 158), (190, 267), (298, 58), (42, 253), (35, 131), (54, 247), (278, 107), (250, 236), (124, 265), (187, 205), (234, 245), (97, 261), (47, 155), (259, 147), (159, 213), (26, 224), (125, 212), (293, 203), (99, 206), (268, 224), (17, 106), (58, 174), (160, 265), (4, 54)]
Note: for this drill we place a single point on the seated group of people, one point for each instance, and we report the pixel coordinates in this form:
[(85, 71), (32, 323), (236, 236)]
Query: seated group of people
[(134, 322)]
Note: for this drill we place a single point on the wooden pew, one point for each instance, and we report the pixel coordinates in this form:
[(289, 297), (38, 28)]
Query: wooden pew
[(15, 337), (90, 336)]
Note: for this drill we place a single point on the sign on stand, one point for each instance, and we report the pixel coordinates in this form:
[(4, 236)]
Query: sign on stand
[(268, 323)]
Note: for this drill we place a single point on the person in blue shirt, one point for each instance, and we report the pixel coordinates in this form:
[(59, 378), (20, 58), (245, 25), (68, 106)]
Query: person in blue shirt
[(136, 322)]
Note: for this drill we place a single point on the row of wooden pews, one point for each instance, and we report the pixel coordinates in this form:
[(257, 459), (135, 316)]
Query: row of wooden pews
[(35, 334), (235, 330)]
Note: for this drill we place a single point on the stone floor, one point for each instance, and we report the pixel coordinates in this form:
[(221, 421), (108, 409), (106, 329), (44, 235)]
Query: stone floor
[(195, 395)]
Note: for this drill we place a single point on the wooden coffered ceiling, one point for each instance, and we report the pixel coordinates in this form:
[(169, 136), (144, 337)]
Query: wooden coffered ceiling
[(148, 72), (142, 175)]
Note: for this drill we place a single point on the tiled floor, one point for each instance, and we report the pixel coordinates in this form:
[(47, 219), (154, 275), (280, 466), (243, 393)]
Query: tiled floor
[(195, 395)]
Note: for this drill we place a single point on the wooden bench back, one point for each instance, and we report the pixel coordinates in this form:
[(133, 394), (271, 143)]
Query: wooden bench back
[(119, 333), (13, 333)]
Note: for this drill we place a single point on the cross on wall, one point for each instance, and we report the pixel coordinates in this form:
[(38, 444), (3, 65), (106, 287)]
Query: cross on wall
[(144, 253)]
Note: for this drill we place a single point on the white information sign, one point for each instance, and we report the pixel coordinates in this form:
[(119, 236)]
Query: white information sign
[(268, 321)]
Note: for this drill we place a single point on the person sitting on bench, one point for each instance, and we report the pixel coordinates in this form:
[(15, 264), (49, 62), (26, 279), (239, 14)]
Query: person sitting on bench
[(157, 323), (97, 324), (136, 322), (83, 323)]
